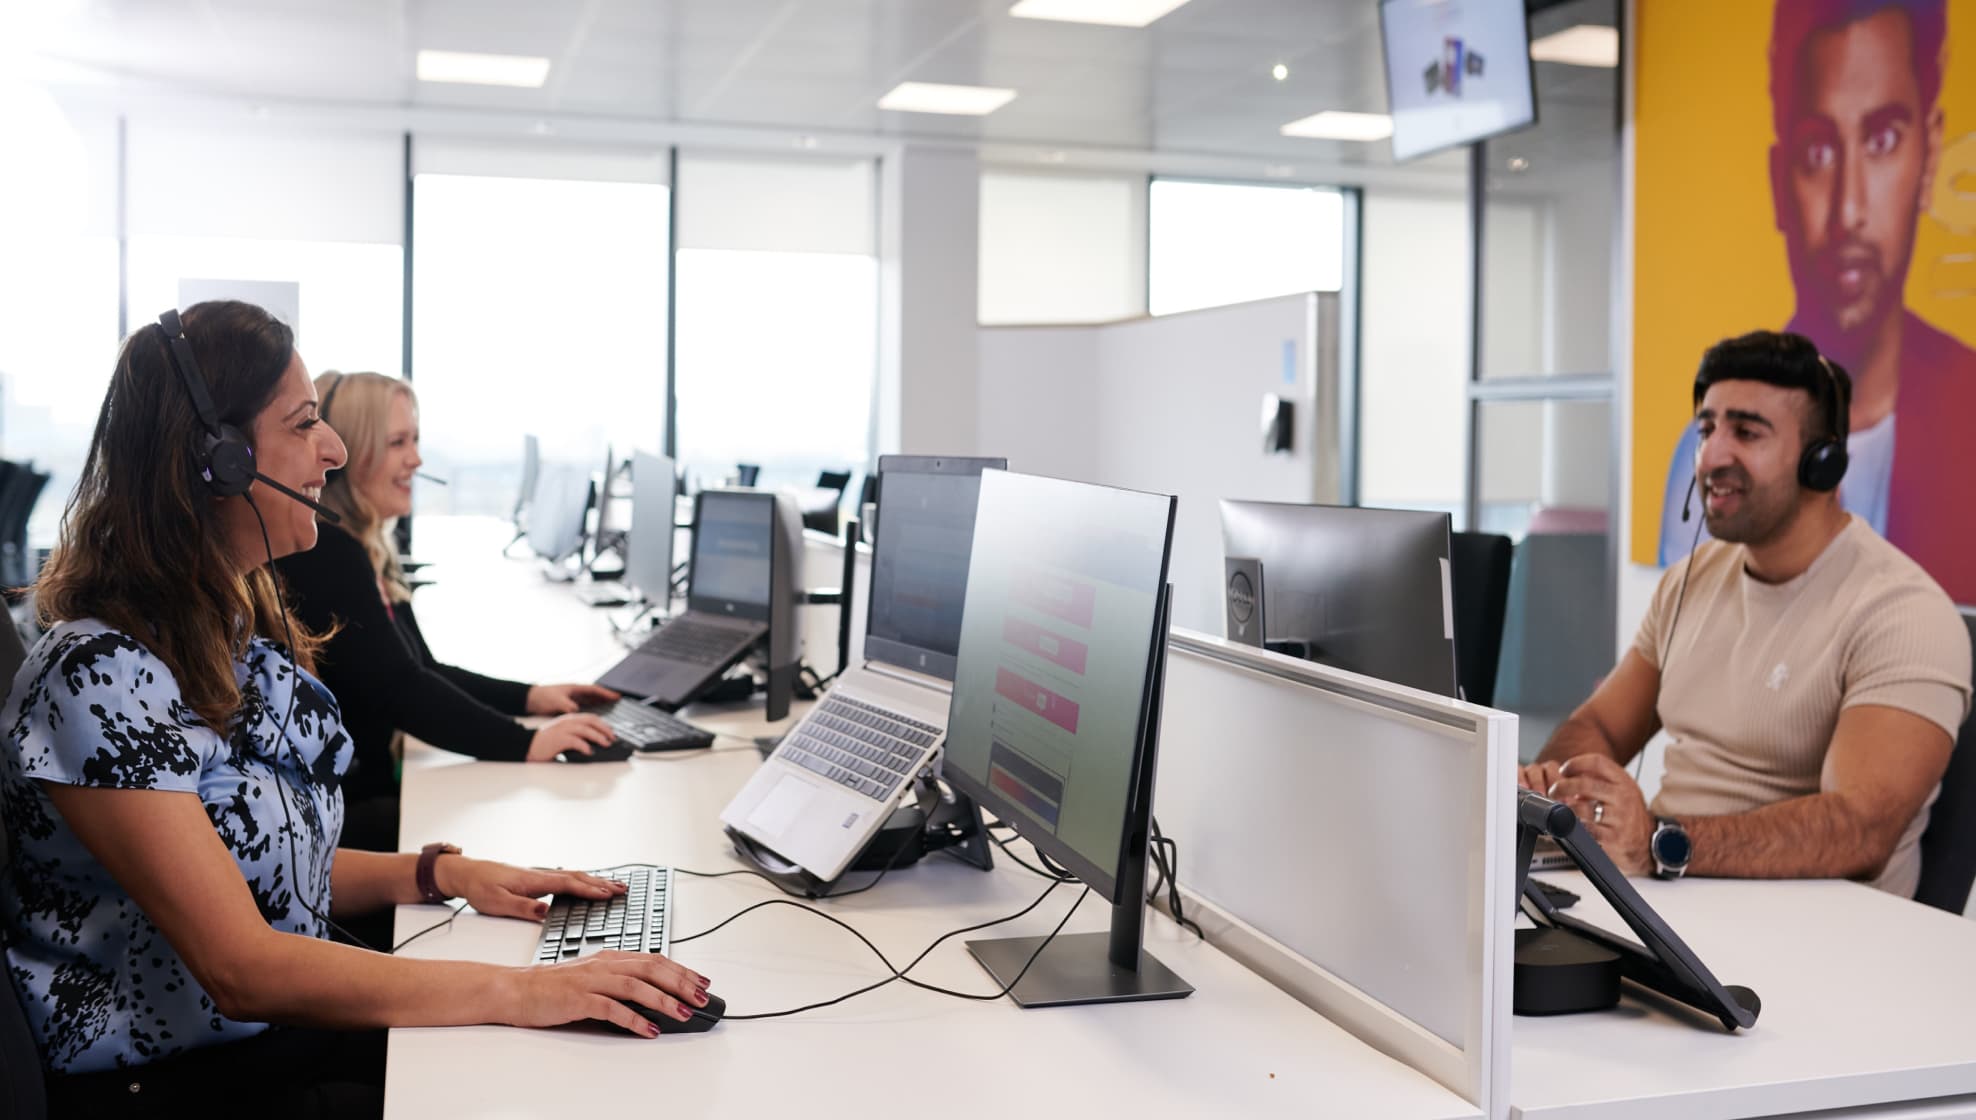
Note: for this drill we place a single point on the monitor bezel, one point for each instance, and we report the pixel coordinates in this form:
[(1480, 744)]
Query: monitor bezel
[(891, 651)]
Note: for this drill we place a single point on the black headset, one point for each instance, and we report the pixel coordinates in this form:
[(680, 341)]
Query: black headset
[(1823, 465), (224, 457)]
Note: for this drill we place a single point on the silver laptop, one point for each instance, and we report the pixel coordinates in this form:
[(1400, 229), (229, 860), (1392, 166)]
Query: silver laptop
[(837, 774)]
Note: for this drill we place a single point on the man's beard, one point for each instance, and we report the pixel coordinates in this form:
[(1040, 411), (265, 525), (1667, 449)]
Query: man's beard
[(1760, 514)]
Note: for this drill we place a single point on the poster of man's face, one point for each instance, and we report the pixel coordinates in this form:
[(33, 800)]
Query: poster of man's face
[(1810, 165)]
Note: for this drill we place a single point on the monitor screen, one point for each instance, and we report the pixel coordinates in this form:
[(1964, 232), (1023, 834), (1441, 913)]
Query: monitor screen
[(648, 551), (1457, 71), (1365, 590), (733, 553), (1050, 695), (919, 562)]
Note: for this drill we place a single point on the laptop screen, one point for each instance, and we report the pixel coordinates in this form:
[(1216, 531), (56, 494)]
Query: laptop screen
[(919, 563), (732, 550)]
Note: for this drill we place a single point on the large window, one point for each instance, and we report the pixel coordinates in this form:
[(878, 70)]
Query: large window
[(1062, 248), (539, 308), (1221, 243), (777, 317)]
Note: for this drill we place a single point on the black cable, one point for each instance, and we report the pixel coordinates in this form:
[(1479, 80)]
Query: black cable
[(1056, 868), (1025, 864), (1166, 861), (453, 912), (1688, 567), (281, 740)]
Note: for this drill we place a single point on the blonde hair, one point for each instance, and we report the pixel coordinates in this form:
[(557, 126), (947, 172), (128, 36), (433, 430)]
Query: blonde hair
[(358, 407)]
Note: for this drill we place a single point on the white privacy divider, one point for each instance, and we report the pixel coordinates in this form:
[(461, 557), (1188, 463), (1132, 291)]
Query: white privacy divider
[(1351, 840)]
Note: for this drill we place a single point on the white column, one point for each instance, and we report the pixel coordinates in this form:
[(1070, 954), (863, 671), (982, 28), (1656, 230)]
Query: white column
[(929, 218)]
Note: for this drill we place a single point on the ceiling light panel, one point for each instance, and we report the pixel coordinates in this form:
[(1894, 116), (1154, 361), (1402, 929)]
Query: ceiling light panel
[(483, 69), (1334, 125), (1109, 13), (932, 97), (1583, 45)]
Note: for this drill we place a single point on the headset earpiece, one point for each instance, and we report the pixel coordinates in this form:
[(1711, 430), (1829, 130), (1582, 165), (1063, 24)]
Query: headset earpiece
[(225, 458), (1823, 465)]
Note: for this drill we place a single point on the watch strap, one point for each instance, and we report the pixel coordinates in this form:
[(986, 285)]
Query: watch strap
[(428, 884)]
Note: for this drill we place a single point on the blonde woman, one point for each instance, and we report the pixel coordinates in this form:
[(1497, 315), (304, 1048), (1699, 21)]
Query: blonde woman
[(376, 661)]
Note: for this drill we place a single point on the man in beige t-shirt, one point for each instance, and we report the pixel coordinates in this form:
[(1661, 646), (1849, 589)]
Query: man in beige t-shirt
[(1811, 676)]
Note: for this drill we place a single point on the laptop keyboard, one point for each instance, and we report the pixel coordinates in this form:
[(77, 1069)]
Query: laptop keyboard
[(696, 643), (648, 729), (634, 921), (860, 746)]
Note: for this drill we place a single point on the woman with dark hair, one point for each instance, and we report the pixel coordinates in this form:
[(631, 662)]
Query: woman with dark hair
[(170, 772), (375, 658)]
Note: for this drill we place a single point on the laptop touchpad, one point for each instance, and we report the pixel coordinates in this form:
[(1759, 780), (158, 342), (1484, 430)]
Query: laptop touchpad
[(783, 805)]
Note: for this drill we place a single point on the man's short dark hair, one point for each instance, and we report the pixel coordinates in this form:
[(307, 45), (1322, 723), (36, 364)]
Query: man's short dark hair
[(1787, 360), (1797, 21)]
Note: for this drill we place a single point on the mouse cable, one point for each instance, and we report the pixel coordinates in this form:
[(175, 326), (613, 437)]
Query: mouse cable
[(898, 974), (1023, 863), (452, 913)]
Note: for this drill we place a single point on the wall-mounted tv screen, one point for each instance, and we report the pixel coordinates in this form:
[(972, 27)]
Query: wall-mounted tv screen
[(1457, 71)]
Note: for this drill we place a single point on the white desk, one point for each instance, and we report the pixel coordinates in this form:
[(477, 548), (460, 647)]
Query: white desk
[(1868, 1000), (1237, 1046)]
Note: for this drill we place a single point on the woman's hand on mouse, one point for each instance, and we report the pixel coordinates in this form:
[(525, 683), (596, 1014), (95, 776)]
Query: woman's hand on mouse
[(599, 986), (557, 699), (579, 733)]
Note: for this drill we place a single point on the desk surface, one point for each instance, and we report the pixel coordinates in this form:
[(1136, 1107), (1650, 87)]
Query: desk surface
[(1867, 999), (1238, 1045)]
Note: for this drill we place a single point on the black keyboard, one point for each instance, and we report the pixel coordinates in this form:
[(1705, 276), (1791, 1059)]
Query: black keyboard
[(634, 922), (860, 746), (645, 728), (696, 643)]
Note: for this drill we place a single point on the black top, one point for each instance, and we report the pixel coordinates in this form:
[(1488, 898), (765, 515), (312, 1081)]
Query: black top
[(383, 674)]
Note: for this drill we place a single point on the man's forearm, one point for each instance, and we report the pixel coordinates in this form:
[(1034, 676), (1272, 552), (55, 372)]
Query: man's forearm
[(1579, 735), (1816, 837)]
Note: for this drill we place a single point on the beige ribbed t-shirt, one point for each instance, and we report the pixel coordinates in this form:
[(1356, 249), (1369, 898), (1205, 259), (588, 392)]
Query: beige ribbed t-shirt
[(1752, 687)]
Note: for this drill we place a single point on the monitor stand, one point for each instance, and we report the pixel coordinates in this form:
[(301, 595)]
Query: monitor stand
[(1111, 967)]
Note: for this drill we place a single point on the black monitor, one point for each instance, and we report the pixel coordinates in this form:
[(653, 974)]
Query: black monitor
[(648, 544), (1054, 721), (1365, 590), (919, 562), (732, 566)]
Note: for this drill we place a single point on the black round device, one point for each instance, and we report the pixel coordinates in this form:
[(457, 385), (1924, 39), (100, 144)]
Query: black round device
[(1559, 973)]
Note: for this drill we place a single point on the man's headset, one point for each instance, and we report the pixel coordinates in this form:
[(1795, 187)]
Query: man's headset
[(226, 460), (1823, 464)]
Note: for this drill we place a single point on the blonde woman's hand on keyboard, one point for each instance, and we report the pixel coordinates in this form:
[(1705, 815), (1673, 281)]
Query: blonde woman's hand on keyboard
[(557, 699), (507, 891), (580, 733), (600, 987)]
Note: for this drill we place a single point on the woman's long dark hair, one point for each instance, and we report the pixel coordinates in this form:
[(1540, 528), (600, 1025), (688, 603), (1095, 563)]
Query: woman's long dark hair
[(142, 548)]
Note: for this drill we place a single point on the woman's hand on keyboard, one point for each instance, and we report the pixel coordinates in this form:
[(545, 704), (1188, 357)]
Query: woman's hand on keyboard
[(600, 986), (556, 699), (504, 890), (577, 733)]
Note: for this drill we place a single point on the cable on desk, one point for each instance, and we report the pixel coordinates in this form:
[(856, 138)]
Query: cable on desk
[(1025, 864), (1166, 863), (452, 913)]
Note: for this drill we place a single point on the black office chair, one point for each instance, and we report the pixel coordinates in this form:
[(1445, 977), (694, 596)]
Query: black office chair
[(1948, 847), (1479, 580), (747, 474), (833, 480), (23, 1092)]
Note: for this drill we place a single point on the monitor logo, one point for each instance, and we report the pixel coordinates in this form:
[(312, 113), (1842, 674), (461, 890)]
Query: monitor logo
[(1241, 602), (1457, 62), (922, 661), (730, 607)]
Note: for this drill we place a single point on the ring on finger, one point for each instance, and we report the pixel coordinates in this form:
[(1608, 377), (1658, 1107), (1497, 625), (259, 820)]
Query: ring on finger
[(1598, 811)]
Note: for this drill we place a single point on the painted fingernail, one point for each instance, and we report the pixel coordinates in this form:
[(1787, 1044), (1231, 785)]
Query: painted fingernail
[(651, 1029), (700, 998), (684, 1014), (541, 909)]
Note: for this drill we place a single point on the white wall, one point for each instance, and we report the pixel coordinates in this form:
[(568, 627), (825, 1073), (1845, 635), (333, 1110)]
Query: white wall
[(929, 217), (1037, 401), (1062, 248), (1413, 349)]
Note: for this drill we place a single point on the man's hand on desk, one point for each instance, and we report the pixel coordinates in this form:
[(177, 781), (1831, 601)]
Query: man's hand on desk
[(559, 699), (578, 733), (1609, 803)]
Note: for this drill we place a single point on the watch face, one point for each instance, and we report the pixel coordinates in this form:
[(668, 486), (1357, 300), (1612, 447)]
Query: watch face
[(1671, 846)]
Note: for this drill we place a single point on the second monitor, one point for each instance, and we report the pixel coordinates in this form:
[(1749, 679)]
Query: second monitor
[(1365, 590)]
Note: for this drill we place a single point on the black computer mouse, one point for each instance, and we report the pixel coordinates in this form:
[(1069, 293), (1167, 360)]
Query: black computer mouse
[(618, 751), (703, 1017)]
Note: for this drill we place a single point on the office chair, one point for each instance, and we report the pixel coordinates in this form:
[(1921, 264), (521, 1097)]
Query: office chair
[(23, 1092), (747, 474), (1557, 629), (1480, 583), (1948, 847), (17, 498), (531, 472), (833, 480)]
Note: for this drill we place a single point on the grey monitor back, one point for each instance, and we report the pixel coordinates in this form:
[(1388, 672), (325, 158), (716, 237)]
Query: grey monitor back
[(919, 564), (1366, 590), (556, 515), (648, 551)]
